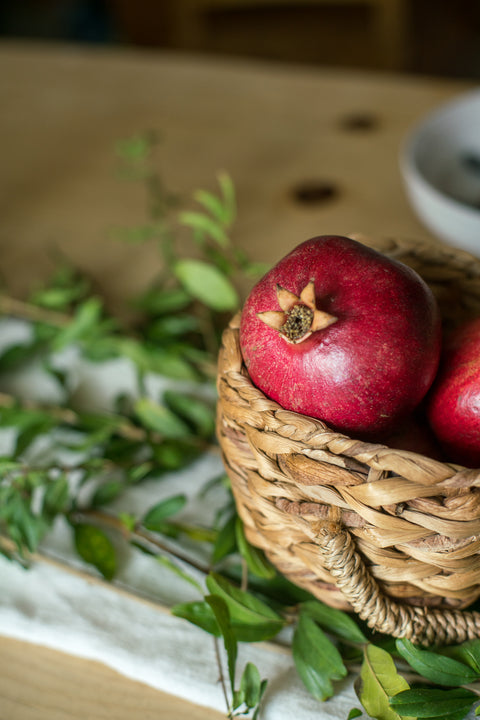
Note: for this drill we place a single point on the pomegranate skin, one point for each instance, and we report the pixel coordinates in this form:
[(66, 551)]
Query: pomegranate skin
[(453, 408), (369, 369)]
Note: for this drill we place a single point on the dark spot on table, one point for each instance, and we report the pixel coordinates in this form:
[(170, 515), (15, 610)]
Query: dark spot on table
[(314, 192), (359, 122)]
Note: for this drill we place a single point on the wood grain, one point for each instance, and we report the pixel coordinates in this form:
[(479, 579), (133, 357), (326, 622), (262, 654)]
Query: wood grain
[(276, 129), (37, 683)]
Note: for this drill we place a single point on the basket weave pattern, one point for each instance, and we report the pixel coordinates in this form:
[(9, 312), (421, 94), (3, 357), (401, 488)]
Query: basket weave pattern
[(391, 534)]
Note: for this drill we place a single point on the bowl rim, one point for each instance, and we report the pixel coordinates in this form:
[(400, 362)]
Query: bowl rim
[(409, 164)]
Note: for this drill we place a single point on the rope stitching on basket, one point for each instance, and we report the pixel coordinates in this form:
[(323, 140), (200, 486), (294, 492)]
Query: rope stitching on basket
[(420, 625)]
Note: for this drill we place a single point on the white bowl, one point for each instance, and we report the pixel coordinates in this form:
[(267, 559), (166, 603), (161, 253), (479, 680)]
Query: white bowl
[(440, 165)]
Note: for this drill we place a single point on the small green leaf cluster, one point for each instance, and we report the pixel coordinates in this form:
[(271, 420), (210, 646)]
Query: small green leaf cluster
[(175, 324), (185, 309), (30, 497), (30, 500), (440, 682), (452, 677)]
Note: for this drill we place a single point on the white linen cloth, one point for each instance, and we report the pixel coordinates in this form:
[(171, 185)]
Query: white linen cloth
[(47, 606), (51, 606)]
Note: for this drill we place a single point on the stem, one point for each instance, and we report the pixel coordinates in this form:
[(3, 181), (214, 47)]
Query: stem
[(65, 415), (26, 311), (221, 676), (473, 687), (138, 535)]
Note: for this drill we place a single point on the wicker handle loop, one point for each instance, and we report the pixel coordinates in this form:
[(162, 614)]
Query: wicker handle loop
[(420, 625)]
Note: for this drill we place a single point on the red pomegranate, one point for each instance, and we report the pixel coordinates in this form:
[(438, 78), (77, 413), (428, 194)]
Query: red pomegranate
[(454, 401), (340, 332)]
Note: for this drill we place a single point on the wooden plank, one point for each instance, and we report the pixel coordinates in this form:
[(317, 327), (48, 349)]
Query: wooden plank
[(37, 683), (275, 129)]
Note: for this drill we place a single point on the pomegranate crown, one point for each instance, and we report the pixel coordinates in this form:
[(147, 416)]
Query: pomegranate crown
[(299, 316)]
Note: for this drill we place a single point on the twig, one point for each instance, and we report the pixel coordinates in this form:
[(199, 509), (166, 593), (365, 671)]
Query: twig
[(27, 311), (138, 535), (68, 416), (221, 675)]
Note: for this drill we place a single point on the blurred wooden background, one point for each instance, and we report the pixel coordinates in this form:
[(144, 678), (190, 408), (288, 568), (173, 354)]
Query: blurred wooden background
[(433, 37)]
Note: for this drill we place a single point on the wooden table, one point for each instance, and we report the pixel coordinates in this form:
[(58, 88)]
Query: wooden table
[(311, 151)]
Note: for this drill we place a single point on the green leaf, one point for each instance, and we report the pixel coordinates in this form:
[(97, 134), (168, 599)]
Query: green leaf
[(438, 669), (135, 148), (354, 713), (16, 355), (173, 454), (85, 320), (28, 434), (56, 497), (207, 283), (160, 419), (334, 620), (140, 472), (226, 541), (200, 614), (165, 362), (378, 682), (171, 364), (164, 302), (222, 616), (213, 205), (251, 685), (316, 658), (197, 413), (434, 703), (256, 561), (468, 653), (107, 492), (56, 298), (252, 619), (28, 423), (128, 521), (227, 189), (34, 528), (205, 225), (25, 528), (154, 519), (93, 546)]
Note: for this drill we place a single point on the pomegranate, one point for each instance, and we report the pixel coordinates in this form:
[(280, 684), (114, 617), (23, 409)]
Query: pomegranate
[(454, 402), (340, 332)]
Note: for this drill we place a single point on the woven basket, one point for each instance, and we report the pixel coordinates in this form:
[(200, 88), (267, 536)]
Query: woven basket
[(390, 534)]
